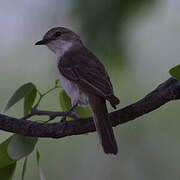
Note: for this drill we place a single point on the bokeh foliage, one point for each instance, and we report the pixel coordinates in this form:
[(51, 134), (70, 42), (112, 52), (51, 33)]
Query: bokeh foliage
[(102, 23)]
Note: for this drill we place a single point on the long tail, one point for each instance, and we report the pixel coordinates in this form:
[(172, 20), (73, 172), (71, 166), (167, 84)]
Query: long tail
[(103, 124)]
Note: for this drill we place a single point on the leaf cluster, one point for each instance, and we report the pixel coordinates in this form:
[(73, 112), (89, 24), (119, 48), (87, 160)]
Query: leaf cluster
[(18, 147)]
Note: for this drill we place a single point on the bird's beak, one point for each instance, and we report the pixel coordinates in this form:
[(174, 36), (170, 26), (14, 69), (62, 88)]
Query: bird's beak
[(43, 42)]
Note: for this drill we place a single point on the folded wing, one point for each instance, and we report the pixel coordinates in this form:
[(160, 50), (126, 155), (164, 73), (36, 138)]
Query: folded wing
[(88, 72)]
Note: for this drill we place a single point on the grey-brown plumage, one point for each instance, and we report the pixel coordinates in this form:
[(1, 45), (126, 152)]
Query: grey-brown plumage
[(85, 80), (81, 66)]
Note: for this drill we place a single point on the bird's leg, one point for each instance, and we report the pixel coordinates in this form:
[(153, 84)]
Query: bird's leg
[(71, 109), (71, 113)]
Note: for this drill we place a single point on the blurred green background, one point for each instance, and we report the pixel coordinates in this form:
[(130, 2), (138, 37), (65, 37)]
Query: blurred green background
[(138, 41)]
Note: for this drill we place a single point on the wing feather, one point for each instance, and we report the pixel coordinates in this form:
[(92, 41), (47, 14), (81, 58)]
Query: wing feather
[(87, 71)]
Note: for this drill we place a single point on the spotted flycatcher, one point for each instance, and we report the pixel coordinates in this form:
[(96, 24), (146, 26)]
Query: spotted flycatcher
[(84, 79)]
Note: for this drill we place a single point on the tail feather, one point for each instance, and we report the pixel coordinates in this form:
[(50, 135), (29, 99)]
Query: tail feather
[(103, 124), (114, 101)]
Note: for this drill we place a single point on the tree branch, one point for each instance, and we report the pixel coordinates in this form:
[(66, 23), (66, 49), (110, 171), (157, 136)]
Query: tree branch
[(52, 115), (167, 91)]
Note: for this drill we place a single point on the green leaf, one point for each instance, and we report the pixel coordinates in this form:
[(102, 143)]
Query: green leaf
[(24, 168), (57, 82), (65, 104), (5, 159), (29, 100), (175, 72), (12, 149), (6, 173), (21, 146), (64, 100), (83, 112), (41, 174), (19, 94), (37, 156)]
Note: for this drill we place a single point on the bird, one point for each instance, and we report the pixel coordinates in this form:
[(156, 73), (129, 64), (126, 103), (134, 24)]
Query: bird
[(84, 79)]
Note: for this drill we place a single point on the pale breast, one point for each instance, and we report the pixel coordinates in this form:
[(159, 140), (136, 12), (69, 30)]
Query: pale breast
[(71, 88), (73, 91)]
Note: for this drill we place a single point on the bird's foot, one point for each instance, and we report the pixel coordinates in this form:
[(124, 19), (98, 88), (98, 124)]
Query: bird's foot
[(71, 113)]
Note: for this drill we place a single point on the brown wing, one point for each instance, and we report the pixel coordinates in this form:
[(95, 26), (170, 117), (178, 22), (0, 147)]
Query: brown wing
[(88, 72)]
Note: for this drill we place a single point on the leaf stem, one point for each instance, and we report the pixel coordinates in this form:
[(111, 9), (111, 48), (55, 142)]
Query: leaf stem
[(41, 95), (47, 92)]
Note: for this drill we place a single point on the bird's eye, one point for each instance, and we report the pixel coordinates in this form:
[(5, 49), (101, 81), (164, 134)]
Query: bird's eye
[(57, 34)]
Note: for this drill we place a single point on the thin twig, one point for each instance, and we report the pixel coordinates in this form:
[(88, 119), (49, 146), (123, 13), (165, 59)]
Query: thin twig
[(52, 114), (41, 95)]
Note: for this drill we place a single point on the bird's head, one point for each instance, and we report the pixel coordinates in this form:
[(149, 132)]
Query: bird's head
[(59, 38)]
